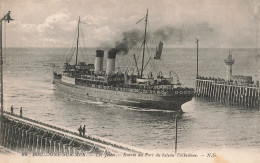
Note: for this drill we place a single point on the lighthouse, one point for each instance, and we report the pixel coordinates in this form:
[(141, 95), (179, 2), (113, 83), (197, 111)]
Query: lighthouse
[(229, 62)]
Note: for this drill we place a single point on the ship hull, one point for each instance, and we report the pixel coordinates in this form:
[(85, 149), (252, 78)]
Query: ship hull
[(139, 100)]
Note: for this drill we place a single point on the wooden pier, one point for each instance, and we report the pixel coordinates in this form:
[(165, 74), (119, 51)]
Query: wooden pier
[(227, 92), (24, 135)]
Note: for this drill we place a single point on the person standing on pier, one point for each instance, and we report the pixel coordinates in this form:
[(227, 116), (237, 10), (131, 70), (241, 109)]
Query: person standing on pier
[(80, 131), (12, 109), (84, 130), (21, 112)]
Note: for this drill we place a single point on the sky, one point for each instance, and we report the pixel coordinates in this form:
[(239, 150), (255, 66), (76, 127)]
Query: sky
[(53, 23)]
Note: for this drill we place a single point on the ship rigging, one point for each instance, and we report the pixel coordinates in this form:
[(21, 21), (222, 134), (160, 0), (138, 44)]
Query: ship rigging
[(92, 81)]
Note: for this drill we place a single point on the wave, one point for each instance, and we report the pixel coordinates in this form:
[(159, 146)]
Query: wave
[(86, 101), (146, 109)]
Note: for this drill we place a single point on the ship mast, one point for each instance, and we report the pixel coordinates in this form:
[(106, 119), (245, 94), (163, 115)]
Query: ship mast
[(8, 18), (197, 42), (77, 44), (144, 44)]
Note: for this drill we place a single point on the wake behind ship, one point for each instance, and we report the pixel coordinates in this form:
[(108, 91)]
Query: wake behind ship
[(130, 88)]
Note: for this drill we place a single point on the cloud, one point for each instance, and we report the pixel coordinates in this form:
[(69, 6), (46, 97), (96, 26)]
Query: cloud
[(61, 19), (94, 20), (54, 29), (217, 23), (59, 30)]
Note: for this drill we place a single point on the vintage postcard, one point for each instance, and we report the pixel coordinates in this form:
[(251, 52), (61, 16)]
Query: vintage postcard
[(130, 80)]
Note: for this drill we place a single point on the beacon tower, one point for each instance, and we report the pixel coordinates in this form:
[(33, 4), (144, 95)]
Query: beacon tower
[(229, 62)]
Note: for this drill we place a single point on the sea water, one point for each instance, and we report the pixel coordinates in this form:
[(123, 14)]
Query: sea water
[(204, 125)]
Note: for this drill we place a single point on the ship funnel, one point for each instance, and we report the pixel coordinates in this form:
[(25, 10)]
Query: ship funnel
[(111, 58), (99, 61)]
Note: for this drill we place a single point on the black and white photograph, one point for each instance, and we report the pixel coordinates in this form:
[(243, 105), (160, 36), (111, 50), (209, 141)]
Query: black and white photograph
[(130, 81)]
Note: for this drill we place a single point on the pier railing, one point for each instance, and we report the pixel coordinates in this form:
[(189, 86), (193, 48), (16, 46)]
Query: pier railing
[(22, 134), (227, 92)]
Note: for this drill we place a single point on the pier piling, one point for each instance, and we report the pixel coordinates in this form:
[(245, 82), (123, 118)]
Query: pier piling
[(21, 134), (222, 91)]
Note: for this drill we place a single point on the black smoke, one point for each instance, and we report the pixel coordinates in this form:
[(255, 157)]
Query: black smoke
[(185, 33), (170, 35), (130, 40)]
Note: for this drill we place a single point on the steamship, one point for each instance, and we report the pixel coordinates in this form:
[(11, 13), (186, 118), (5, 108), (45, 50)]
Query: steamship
[(92, 81)]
